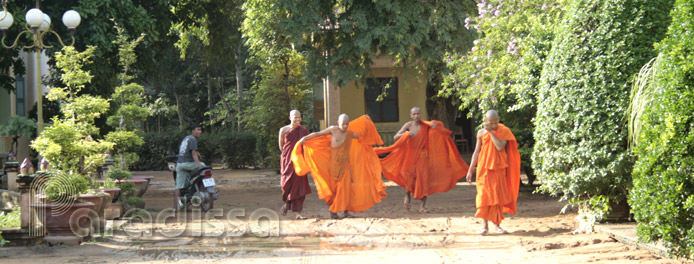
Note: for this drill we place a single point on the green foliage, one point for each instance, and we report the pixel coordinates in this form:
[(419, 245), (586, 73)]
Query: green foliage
[(3, 242), (127, 100), (663, 194), (118, 174), (131, 202), (159, 108), (108, 183), (353, 33), (11, 219), (641, 96), (68, 144), (581, 138), (62, 187), (283, 87), (502, 70), (236, 149), (127, 189), (18, 126), (153, 152), (233, 148)]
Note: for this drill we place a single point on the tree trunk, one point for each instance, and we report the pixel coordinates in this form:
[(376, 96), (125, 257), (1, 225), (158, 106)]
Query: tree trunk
[(239, 91), (209, 99), (286, 86), (179, 110), (123, 166), (439, 108)]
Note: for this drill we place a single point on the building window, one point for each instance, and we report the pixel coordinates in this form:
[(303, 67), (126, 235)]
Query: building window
[(381, 96), (20, 96)]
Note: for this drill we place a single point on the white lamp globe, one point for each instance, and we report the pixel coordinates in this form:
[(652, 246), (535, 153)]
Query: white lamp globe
[(46, 23), (71, 19), (34, 17), (7, 21)]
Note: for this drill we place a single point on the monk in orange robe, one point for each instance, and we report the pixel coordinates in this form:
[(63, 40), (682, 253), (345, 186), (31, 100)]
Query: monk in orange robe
[(344, 166), (498, 172), (424, 159), (294, 187)]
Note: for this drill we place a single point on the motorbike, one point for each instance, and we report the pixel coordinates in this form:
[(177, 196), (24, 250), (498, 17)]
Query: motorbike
[(199, 188)]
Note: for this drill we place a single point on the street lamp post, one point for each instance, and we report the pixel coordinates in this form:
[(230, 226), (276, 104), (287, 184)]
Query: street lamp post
[(38, 24)]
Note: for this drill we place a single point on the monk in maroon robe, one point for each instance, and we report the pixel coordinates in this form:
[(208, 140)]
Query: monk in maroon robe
[(294, 187)]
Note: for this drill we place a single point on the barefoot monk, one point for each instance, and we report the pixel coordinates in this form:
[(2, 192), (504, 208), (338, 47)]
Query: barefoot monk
[(343, 164), (294, 187), (498, 172), (424, 159)]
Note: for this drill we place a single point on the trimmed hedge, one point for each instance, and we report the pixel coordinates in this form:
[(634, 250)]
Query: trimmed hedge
[(235, 149), (663, 194), (581, 147)]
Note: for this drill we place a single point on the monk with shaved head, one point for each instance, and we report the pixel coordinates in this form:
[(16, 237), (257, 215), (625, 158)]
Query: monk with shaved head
[(498, 172), (344, 166), (294, 187), (424, 159)]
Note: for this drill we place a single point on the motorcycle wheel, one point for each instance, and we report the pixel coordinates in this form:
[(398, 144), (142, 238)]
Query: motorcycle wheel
[(209, 203)]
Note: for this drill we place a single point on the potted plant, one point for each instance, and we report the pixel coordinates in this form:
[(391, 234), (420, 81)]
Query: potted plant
[(69, 143), (61, 212), (16, 127), (131, 189)]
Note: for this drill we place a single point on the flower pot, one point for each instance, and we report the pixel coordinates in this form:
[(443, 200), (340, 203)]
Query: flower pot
[(140, 185), (115, 210), (144, 177), (59, 220), (113, 192), (100, 201)]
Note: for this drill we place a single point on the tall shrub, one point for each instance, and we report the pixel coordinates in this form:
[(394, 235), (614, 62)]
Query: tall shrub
[(581, 147), (663, 194), (502, 70), (127, 100), (69, 143)]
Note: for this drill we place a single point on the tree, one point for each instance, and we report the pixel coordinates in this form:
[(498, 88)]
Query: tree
[(69, 144), (17, 126), (341, 38), (663, 194), (581, 147), (283, 86), (98, 16), (502, 70), (127, 100), (212, 29)]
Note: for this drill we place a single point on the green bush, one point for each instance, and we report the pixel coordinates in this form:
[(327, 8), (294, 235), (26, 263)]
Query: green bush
[(663, 194), (62, 186), (11, 219), (233, 148), (153, 152), (118, 174), (581, 138), (502, 70)]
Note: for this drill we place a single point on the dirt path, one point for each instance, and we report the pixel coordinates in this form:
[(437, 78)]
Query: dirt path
[(386, 232)]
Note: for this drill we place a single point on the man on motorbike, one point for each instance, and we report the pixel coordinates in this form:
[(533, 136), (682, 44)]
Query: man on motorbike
[(188, 160)]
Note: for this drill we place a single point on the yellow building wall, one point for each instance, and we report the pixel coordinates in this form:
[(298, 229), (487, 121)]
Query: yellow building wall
[(411, 92)]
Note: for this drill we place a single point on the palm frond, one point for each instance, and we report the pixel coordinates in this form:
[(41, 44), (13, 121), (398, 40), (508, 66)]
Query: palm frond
[(645, 86)]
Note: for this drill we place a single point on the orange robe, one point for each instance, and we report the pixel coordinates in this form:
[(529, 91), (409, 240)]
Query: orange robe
[(425, 164), (347, 177), (498, 176)]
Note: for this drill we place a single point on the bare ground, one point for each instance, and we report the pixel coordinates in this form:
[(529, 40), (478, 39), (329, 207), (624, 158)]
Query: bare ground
[(386, 232)]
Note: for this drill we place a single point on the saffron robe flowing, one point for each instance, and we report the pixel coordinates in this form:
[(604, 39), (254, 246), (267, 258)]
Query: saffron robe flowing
[(498, 176), (294, 187), (347, 177), (425, 164)]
